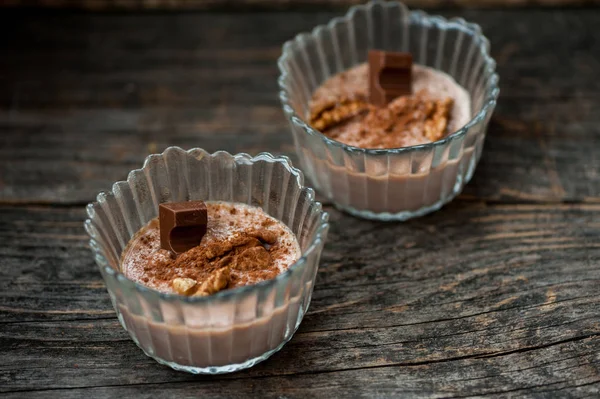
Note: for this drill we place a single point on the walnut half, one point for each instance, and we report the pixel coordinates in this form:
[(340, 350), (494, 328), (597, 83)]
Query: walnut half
[(334, 113), (214, 283)]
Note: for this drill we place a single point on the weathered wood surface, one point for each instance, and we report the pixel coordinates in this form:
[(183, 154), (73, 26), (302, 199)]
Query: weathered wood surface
[(497, 294), (133, 85), (509, 304), (231, 5)]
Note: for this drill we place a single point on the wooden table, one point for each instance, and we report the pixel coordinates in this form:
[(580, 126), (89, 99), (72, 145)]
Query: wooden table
[(497, 294)]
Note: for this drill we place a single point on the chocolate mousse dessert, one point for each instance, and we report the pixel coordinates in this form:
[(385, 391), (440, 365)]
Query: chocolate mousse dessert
[(389, 103), (198, 249)]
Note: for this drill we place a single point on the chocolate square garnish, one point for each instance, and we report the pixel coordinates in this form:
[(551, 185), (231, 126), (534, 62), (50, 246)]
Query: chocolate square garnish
[(182, 225), (390, 76)]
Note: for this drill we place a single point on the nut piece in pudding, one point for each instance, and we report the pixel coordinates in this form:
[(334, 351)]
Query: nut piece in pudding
[(336, 112), (217, 281), (184, 286), (437, 107), (242, 246)]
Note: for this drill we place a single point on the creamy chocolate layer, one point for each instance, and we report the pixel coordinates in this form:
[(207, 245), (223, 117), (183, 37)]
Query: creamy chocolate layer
[(340, 109), (242, 246), (242, 242)]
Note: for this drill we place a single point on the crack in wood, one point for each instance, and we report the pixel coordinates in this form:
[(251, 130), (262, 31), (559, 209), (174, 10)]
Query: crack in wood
[(516, 251), (313, 372)]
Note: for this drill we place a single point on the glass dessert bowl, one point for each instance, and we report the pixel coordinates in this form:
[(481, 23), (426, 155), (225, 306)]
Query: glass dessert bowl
[(389, 183), (231, 329)]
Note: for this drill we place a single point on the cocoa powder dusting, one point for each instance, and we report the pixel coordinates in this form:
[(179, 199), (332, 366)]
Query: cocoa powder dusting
[(404, 121), (255, 248), (340, 109)]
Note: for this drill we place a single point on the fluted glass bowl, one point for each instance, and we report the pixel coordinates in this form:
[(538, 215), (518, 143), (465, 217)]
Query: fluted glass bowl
[(232, 329), (400, 183)]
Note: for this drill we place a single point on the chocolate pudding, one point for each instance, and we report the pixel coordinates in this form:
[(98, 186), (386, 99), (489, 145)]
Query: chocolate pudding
[(340, 109), (242, 246), (411, 183)]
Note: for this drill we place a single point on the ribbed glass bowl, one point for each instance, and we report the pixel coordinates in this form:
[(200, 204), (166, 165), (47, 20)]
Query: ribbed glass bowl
[(233, 329), (400, 183)]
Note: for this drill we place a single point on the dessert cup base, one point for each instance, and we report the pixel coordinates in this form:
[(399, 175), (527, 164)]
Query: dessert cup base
[(394, 217), (230, 368), (406, 215), (212, 370)]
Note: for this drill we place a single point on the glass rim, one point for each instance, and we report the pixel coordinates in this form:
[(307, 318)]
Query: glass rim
[(492, 89), (317, 239)]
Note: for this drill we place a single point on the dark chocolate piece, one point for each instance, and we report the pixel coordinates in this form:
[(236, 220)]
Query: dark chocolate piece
[(389, 76), (182, 225)]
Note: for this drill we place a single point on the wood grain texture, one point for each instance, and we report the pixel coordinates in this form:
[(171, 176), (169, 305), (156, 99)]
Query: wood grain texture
[(510, 304), (233, 5), (133, 85), (495, 295)]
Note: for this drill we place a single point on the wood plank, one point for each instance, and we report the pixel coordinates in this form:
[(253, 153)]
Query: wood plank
[(496, 294), (508, 304), (133, 85), (103, 5), (46, 246), (524, 159), (573, 366)]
